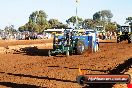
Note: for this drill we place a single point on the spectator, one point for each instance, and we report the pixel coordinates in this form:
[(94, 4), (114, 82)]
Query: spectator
[(110, 35)]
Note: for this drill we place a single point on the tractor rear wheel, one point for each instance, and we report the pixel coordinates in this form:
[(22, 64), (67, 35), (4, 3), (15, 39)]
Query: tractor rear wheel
[(80, 47)]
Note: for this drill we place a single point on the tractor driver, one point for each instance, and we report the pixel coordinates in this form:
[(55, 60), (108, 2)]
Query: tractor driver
[(68, 37)]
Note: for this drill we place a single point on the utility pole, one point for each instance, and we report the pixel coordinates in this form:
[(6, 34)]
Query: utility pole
[(77, 1)]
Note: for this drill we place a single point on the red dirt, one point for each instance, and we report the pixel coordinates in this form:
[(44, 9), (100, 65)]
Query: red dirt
[(34, 68)]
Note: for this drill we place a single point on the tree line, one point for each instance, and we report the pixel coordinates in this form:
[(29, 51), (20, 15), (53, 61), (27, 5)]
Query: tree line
[(38, 22)]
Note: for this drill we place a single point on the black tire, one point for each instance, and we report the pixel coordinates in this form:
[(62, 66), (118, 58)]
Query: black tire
[(130, 39), (80, 47)]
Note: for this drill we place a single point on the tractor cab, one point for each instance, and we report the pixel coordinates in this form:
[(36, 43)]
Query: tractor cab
[(124, 29)]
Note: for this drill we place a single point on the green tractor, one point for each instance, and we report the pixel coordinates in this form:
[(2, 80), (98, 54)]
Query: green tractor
[(124, 33), (71, 43)]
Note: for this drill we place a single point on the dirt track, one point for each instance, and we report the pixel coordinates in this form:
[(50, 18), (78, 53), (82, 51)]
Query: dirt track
[(33, 68)]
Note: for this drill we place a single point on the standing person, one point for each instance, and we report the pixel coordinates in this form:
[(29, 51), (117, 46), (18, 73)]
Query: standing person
[(35, 34), (104, 35), (110, 35), (15, 36), (115, 35)]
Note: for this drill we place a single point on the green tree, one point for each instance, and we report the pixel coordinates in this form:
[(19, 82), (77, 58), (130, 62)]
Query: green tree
[(37, 22), (104, 15), (10, 29), (73, 20), (103, 18), (89, 23), (22, 28), (129, 20), (54, 23), (111, 27), (64, 26), (97, 16)]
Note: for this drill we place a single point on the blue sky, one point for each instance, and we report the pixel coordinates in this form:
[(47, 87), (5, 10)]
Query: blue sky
[(16, 12)]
